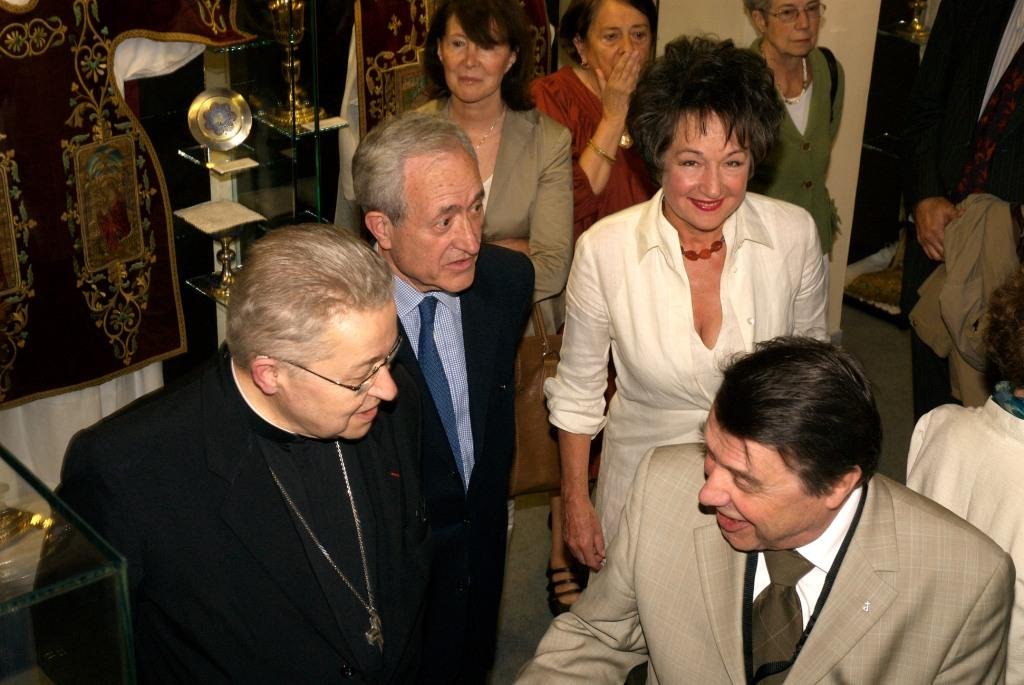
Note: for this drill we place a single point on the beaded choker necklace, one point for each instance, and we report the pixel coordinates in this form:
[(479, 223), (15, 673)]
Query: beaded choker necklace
[(694, 255)]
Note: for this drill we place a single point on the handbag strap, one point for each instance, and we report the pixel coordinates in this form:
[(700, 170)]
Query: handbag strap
[(538, 328)]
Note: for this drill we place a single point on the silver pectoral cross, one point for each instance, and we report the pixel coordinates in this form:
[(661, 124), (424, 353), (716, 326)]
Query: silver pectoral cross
[(375, 634)]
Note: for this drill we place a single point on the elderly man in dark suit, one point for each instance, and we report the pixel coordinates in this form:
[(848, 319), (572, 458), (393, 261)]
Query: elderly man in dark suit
[(462, 307), (270, 507), (964, 134)]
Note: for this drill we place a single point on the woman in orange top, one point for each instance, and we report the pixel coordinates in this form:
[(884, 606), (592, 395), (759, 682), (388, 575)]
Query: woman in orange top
[(610, 41)]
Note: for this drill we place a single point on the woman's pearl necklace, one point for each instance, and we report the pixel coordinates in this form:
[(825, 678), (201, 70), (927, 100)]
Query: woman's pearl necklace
[(803, 89)]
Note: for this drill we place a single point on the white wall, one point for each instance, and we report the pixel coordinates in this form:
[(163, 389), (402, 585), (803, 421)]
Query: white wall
[(848, 29)]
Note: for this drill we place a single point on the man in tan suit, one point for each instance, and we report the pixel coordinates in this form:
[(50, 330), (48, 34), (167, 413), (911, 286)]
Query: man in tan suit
[(898, 590)]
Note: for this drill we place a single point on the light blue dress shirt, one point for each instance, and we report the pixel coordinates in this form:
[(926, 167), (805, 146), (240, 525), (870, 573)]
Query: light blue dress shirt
[(450, 347)]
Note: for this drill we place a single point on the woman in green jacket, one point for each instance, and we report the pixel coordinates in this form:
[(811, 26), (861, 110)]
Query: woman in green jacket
[(810, 83)]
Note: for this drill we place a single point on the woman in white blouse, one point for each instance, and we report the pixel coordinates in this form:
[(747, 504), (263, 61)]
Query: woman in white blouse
[(676, 285)]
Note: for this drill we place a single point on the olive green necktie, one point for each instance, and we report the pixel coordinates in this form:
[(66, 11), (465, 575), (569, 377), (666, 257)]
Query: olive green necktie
[(777, 621)]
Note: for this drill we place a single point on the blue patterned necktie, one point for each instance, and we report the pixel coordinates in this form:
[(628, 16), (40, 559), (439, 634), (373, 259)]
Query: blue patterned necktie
[(437, 381)]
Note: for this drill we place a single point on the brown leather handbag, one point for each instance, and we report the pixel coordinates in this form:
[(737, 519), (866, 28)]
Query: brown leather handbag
[(536, 466)]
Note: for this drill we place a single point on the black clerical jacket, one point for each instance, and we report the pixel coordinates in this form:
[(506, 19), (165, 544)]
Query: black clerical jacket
[(222, 586)]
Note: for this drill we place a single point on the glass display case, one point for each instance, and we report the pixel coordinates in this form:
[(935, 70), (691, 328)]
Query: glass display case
[(64, 610), (288, 80), (269, 141)]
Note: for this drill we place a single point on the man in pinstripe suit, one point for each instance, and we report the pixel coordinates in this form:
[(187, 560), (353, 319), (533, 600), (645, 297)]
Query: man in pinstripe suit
[(972, 47)]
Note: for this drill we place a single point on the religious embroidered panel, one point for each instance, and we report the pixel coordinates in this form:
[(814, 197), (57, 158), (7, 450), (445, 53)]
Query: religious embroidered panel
[(390, 39), (15, 270), (390, 35), (537, 13), (88, 289)]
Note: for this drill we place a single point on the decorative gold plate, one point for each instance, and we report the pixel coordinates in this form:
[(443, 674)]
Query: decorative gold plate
[(219, 118)]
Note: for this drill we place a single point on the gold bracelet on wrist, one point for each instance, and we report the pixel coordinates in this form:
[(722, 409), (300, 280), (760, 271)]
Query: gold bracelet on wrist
[(600, 153)]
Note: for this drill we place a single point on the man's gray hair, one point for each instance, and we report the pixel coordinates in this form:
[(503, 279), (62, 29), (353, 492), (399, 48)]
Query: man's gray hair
[(295, 282), (759, 5), (378, 168)]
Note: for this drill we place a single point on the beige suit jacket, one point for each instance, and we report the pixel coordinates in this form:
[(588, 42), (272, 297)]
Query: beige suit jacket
[(921, 597), (980, 253), (531, 195)]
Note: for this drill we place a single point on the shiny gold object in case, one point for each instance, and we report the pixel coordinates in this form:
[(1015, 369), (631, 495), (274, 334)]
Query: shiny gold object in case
[(219, 118), (64, 609)]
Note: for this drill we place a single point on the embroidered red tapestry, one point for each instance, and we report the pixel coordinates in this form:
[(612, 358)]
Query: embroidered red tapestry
[(88, 289)]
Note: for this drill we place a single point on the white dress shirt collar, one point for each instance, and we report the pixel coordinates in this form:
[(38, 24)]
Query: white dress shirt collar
[(821, 552), (408, 298), (655, 232)]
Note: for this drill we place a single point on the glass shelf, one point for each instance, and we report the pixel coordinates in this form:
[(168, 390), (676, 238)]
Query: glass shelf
[(208, 285), (302, 130), (901, 29), (886, 143), (287, 168), (233, 161), (241, 47)]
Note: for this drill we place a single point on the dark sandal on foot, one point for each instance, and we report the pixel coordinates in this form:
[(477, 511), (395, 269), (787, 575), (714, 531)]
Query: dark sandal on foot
[(558, 589)]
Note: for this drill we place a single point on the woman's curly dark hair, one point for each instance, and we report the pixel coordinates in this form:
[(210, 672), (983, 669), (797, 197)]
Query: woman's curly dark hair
[(487, 23), (704, 77), (1004, 336)]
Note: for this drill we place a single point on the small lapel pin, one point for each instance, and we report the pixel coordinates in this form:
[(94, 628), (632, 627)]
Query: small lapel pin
[(867, 606)]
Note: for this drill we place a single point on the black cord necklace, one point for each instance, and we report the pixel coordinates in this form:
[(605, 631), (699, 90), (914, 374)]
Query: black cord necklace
[(375, 633), (774, 667)]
